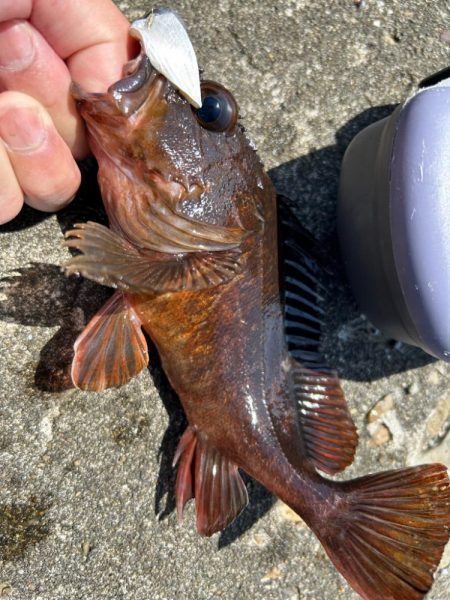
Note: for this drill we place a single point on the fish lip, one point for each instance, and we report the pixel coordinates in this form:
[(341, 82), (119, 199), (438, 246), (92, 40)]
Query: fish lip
[(133, 91), (165, 41)]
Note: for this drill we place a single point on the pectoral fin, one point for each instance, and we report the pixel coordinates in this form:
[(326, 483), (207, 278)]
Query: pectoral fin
[(111, 349), (110, 260)]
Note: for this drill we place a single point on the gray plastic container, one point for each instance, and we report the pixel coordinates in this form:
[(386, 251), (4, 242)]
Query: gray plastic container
[(394, 219)]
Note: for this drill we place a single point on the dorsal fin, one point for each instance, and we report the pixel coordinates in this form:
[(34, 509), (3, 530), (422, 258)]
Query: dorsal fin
[(300, 288), (327, 426), (328, 430)]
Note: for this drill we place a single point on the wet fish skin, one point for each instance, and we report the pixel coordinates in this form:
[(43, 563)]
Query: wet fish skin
[(192, 251)]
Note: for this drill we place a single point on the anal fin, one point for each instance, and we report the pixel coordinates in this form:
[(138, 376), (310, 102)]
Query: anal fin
[(112, 348), (109, 259), (213, 480)]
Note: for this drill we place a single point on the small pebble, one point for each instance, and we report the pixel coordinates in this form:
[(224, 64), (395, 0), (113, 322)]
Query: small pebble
[(86, 548), (437, 421), (381, 435), (287, 514), (434, 377), (413, 389), (260, 538), (445, 36), (274, 573), (379, 409)]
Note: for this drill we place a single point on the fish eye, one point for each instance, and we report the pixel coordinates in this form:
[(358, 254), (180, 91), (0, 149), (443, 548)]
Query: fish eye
[(219, 110)]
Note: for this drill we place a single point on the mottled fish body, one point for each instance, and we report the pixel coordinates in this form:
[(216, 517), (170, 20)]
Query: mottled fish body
[(192, 252)]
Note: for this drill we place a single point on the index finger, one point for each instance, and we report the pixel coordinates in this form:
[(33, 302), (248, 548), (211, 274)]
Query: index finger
[(90, 35)]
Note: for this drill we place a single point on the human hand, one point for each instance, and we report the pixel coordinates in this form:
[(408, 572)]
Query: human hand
[(44, 44)]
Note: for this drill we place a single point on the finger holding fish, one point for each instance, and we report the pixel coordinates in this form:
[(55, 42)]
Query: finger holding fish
[(41, 165), (43, 45), (55, 43), (91, 36), (11, 197), (29, 64)]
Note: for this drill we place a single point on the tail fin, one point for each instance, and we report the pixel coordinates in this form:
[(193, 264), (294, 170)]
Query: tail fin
[(387, 532)]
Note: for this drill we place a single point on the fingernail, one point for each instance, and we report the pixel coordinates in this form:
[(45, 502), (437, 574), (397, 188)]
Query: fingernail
[(22, 129), (17, 48)]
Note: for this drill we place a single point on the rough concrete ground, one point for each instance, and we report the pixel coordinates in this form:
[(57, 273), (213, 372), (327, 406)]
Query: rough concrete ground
[(84, 509)]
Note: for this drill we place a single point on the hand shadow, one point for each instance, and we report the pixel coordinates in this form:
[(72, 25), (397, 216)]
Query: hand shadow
[(42, 295)]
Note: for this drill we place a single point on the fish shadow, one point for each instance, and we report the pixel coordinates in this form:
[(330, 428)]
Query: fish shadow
[(165, 486), (41, 295), (350, 343), (260, 500)]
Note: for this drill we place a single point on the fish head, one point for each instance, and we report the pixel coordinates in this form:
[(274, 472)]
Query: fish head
[(161, 122)]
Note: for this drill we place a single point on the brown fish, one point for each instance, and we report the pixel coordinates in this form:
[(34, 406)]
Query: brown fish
[(192, 251)]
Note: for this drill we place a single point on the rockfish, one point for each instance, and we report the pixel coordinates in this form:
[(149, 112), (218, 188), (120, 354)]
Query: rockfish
[(192, 252)]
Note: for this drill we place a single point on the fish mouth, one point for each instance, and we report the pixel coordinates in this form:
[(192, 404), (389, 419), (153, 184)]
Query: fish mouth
[(131, 92), (140, 84), (166, 51), (166, 43)]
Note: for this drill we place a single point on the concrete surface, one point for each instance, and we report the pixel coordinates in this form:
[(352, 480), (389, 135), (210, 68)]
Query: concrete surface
[(84, 508)]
